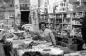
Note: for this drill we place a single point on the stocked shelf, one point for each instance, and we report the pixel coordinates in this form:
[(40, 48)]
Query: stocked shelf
[(64, 22)]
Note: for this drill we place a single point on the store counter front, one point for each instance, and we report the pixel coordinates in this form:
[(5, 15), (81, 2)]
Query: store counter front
[(42, 51), (20, 47)]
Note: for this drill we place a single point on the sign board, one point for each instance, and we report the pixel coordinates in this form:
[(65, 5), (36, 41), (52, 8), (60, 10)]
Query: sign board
[(7, 15)]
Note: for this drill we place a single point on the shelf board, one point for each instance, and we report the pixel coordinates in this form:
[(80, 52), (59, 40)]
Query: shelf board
[(59, 18), (76, 18), (50, 23), (66, 23), (25, 3), (71, 24), (77, 24), (24, 10), (57, 23)]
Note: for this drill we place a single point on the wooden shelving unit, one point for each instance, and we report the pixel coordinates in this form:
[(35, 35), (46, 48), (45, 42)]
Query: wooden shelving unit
[(65, 26), (62, 20)]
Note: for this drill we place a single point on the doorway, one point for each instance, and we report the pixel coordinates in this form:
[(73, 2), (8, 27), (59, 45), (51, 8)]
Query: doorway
[(25, 17)]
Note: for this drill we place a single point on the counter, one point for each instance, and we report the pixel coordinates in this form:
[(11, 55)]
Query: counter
[(43, 47)]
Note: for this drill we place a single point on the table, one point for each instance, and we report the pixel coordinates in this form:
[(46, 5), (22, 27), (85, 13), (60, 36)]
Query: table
[(42, 47), (49, 50)]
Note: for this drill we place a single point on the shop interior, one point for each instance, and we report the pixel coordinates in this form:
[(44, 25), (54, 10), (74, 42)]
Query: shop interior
[(43, 28)]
